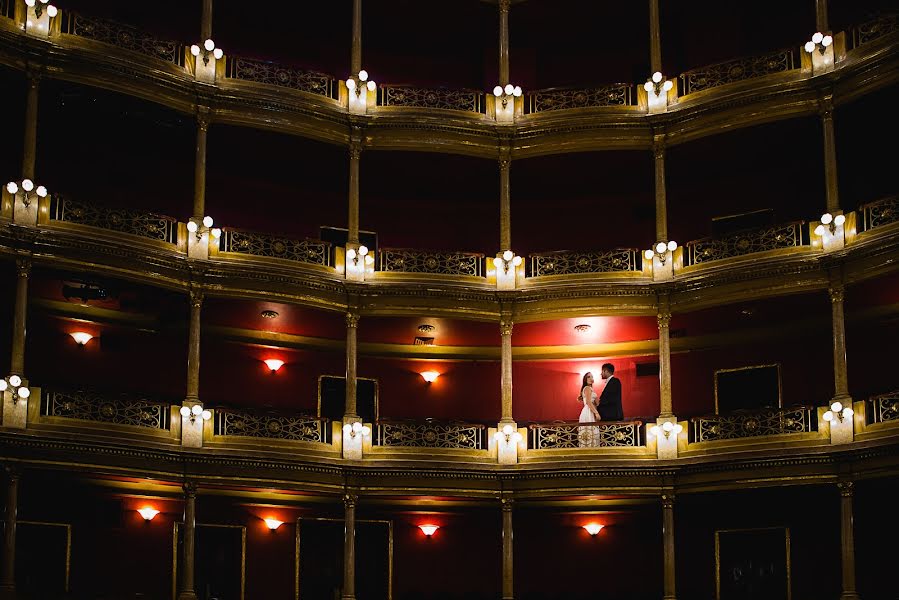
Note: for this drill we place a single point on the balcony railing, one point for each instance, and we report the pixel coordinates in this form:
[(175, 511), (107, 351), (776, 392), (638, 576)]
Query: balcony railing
[(879, 213), (315, 252), (405, 260), (884, 407), (874, 29), (294, 428), (777, 237), (270, 73), (621, 260), (123, 220), (616, 94), (735, 70), (755, 423), (573, 434), (121, 410), (123, 36), (430, 434), (437, 98)]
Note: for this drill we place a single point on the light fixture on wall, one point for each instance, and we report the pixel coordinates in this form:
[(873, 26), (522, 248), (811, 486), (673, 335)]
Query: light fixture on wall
[(662, 250), (508, 434), (357, 428), (666, 429), (148, 512), (274, 364), (27, 190), (204, 226), (820, 42), (272, 523), (429, 376), (838, 410), (40, 5), (828, 221), (504, 94), (593, 528), (207, 49), (429, 530), (81, 337), (14, 384), (355, 83), (360, 254), (195, 411), (508, 259), (658, 83)]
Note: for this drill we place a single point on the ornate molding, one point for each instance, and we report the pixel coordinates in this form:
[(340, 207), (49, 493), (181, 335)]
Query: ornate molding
[(847, 488), (196, 297), (23, 267), (836, 293), (190, 489), (668, 500), (350, 500), (352, 320), (505, 326), (664, 320)]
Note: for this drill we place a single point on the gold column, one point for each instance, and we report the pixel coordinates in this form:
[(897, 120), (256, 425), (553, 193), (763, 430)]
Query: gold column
[(847, 541), (505, 328), (504, 42), (349, 547), (655, 38), (30, 145), (356, 53), (830, 156), (507, 549), (353, 209), (17, 366), (206, 22), (668, 544), (505, 200), (200, 167), (8, 581), (190, 526), (658, 151), (664, 321), (352, 324), (840, 379), (821, 16), (193, 348)]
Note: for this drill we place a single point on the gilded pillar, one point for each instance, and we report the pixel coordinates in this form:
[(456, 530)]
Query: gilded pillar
[(353, 208), (658, 151), (356, 51), (655, 38), (505, 328), (23, 269), (664, 321), (505, 201), (193, 348), (8, 575), (200, 167), (821, 21), (206, 21), (30, 142), (668, 545), (841, 386), (352, 325), (507, 549), (847, 541), (504, 42), (349, 547), (830, 156), (190, 527)]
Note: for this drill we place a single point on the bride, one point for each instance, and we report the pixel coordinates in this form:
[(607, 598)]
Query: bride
[(588, 437)]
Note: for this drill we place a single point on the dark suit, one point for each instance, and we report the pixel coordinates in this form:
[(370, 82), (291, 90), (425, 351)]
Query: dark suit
[(610, 401)]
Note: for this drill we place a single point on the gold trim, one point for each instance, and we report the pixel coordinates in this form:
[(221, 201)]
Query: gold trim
[(786, 531), (68, 528), (746, 368), (318, 408), (243, 555)]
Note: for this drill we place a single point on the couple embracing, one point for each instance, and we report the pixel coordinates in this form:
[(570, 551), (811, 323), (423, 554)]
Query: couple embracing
[(605, 407)]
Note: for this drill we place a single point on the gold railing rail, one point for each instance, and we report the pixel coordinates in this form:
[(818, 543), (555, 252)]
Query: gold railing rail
[(874, 29), (739, 69), (885, 407), (314, 252), (574, 434), (775, 237), (271, 73), (123, 220), (430, 433), (407, 260), (880, 212), (123, 36), (564, 98), (414, 96), (619, 260), (117, 410), (753, 423), (294, 428)]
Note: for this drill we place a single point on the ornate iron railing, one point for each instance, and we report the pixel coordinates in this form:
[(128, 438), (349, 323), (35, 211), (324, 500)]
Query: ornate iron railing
[(620, 260), (89, 406), (123, 36), (777, 237), (884, 407), (124, 220), (442, 98), (874, 29), (430, 434), (616, 94), (403, 260), (573, 434), (295, 428), (738, 69), (314, 252), (270, 73), (743, 424), (880, 212)]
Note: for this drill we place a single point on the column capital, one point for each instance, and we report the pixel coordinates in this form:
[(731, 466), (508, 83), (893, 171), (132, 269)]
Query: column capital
[(836, 293), (23, 266), (506, 503), (33, 76), (825, 106), (668, 500), (13, 473), (505, 157), (355, 150), (664, 319), (847, 488), (504, 5), (658, 145), (196, 297), (352, 320), (505, 326), (350, 500), (190, 489)]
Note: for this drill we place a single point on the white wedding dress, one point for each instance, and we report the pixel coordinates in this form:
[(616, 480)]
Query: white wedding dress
[(587, 437)]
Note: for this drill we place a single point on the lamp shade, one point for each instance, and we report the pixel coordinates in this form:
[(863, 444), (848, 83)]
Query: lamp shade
[(81, 337), (273, 363), (430, 376), (428, 530), (273, 524), (148, 512), (593, 528)]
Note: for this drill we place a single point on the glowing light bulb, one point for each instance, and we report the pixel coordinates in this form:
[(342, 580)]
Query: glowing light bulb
[(357, 427), (15, 380), (3, 385), (148, 513), (819, 230), (11, 187), (363, 75), (209, 45), (207, 221), (273, 524), (517, 91), (817, 37), (828, 416), (52, 11), (507, 429), (668, 426), (30, 3), (218, 53), (81, 337), (351, 253), (429, 530), (196, 410), (848, 412), (192, 226), (516, 261), (839, 220), (648, 86), (657, 77), (509, 89), (371, 85), (185, 411), (216, 232), (206, 414), (24, 392), (508, 255), (273, 363), (654, 430), (195, 50), (429, 376), (661, 247), (366, 430), (498, 91), (350, 84), (41, 191), (672, 246), (667, 85), (826, 218), (27, 185), (497, 262), (347, 428), (593, 528), (363, 250), (836, 406), (826, 41), (810, 47), (648, 254)]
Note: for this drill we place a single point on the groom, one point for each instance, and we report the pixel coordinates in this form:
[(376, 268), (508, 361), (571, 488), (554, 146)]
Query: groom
[(610, 399)]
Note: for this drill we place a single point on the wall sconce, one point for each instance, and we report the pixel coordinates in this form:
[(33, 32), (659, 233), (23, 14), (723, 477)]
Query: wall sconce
[(508, 434), (819, 41), (148, 513), (356, 83), (836, 408), (667, 429), (429, 376), (504, 94), (832, 222), (429, 530), (273, 363), (39, 8), (508, 258), (14, 382), (81, 338), (662, 249), (195, 411), (26, 187), (194, 227), (273, 524), (355, 429), (208, 48), (593, 528), (362, 253), (658, 84)]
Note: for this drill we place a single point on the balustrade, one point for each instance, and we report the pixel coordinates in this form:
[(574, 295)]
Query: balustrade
[(753, 423), (430, 434), (879, 213), (123, 36), (116, 410), (574, 434), (776, 237), (616, 94), (295, 428), (874, 29), (884, 407), (439, 98), (314, 252), (270, 73), (622, 260), (404, 260), (123, 220), (735, 70)]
